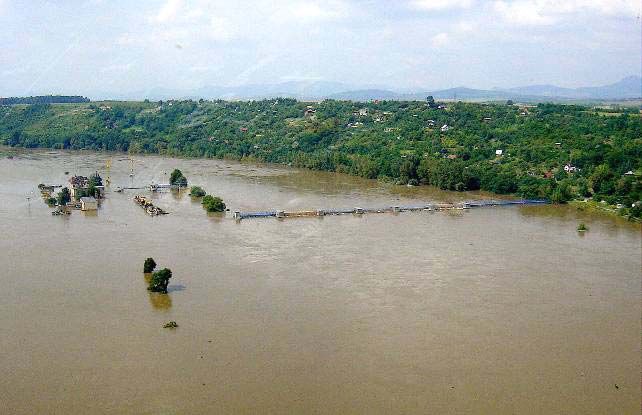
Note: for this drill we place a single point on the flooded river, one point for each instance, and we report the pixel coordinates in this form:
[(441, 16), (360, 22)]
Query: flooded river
[(503, 310)]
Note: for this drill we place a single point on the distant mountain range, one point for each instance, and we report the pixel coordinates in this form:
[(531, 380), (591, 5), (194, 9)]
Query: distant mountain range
[(628, 88)]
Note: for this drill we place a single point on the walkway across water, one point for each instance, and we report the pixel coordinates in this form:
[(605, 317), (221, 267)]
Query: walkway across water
[(389, 209)]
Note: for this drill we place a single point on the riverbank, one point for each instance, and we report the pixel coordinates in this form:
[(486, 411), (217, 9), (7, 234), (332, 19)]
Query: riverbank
[(581, 205), (457, 146), (603, 208)]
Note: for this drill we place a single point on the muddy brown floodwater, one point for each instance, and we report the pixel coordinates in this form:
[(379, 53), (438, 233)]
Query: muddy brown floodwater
[(502, 310)]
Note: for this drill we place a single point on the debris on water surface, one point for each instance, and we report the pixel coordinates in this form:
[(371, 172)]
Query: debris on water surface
[(170, 325)]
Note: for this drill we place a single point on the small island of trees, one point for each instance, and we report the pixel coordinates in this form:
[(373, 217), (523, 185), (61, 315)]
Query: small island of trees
[(178, 179), (149, 265), (197, 191), (160, 281), (213, 204)]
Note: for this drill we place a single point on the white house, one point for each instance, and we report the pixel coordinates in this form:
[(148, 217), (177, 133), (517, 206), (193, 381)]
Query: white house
[(499, 152), (88, 203), (445, 128), (570, 169), (363, 112)]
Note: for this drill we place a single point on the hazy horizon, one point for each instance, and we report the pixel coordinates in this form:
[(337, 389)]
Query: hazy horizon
[(95, 47)]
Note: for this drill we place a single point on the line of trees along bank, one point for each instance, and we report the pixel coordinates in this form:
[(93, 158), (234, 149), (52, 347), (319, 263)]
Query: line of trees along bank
[(44, 99), (399, 141)]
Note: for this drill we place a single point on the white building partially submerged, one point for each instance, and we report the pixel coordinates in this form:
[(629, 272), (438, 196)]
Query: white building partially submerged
[(88, 203)]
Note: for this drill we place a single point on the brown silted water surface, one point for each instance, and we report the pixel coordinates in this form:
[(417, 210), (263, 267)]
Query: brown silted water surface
[(497, 310)]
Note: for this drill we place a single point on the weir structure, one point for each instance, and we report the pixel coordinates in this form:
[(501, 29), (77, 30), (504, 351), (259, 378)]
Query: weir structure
[(238, 215)]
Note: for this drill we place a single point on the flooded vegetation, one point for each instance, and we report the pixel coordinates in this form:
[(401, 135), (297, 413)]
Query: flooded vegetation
[(501, 310)]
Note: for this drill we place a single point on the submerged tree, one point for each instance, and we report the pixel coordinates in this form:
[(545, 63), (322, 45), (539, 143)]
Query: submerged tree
[(149, 265), (64, 196), (160, 280), (177, 178), (95, 180), (197, 191), (213, 204)]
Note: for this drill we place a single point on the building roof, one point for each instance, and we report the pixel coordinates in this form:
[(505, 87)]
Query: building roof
[(88, 199), (79, 181)]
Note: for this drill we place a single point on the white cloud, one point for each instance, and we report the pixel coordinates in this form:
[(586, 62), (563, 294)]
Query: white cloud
[(168, 11), (523, 12), (200, 68), (309, 11), (607, 7), (465, 27), (440, 39), (222, 29), (117, 67), (436, 5), (547, 12)]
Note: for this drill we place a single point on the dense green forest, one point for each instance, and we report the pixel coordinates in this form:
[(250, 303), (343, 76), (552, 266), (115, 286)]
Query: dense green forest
[(560, 152), (44, 99)]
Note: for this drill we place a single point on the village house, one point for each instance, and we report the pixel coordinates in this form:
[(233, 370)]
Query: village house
[(77, 183), (88, 203), (445, 128), (570, 168), (499, 152), (363, 112)]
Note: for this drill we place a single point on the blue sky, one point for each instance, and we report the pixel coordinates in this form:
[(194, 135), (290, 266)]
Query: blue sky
[(91, 46)]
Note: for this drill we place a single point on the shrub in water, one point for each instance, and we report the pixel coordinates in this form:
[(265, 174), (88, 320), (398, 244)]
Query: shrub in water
[(160, 281), (149, 265)]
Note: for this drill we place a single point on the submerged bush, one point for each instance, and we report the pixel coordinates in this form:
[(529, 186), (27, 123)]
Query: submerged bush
[(213, 204), (160, 281), (149, 265), (197, 191), (177, 178)]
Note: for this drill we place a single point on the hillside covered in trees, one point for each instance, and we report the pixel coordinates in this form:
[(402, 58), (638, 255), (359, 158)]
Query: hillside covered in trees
[(560, 152), (44, 99)]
